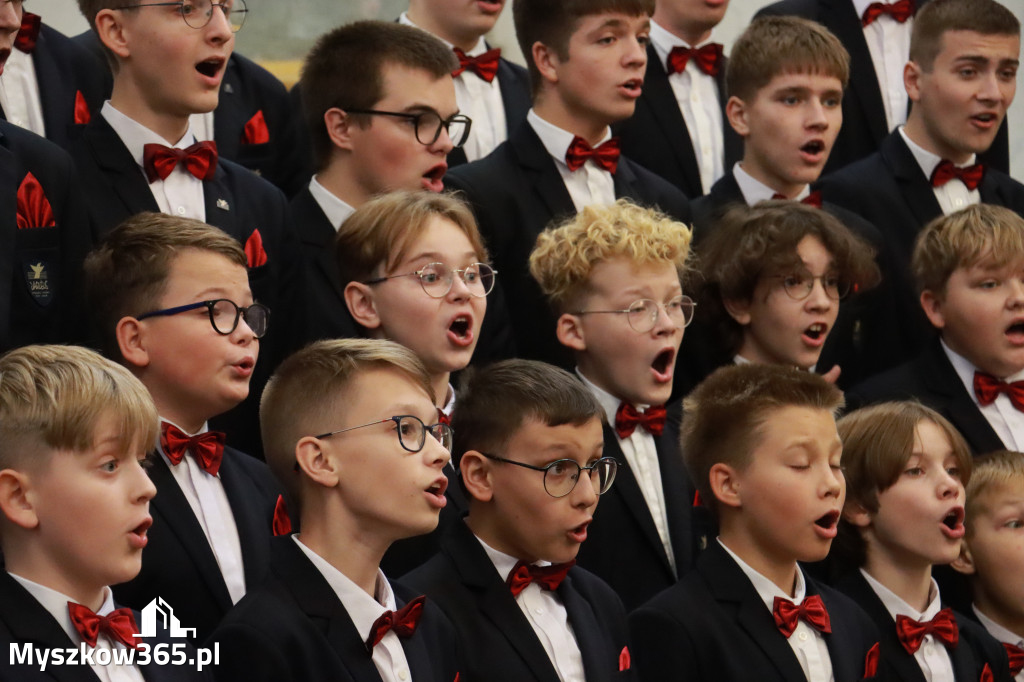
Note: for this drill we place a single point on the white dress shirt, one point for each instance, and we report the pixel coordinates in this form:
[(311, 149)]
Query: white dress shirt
[(932, 657), (56, 604), (952, 196), (547, 616), (754, 190), (1002, 635), (180, 193), (19, 93), (1006, 420), (209, 503), (336, 210), (699, 102), (806, 642), (587, 185), (889, 44), (364, 610)]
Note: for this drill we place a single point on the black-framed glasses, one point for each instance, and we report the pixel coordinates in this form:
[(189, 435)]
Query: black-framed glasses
[(799, 285), (198, 13), (642, 314), (437, 279), (561, 476), (428, 124), (224, 315), (412, 432)]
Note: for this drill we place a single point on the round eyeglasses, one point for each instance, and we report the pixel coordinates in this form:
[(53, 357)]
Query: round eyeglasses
[(412, 432), (642, 315), (198, 13), (437, 279), (561, 476), (428, 124), (224, 314), (799, 285)]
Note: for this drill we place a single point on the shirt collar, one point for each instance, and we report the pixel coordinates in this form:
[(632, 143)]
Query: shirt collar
[(997, 630), (965, 370), (503, 563), (478, 49), (56, 604), (450, 403), (766, 589), (554, 139), (895, 605), (754, 190), (136, 136), (336, 210), (926, 159), (609, 403)]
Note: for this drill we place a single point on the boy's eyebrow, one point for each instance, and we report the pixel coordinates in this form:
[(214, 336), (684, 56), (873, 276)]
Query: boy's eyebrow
[(618, 23)]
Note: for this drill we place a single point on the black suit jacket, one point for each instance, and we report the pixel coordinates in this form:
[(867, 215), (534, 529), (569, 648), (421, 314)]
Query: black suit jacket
[(931, 379), (498, 643), (40, 267), (23, 620), (976, 647), (713, 626), (515, 193), (623, 525), (179, 564), (656, 136), (294, 627)]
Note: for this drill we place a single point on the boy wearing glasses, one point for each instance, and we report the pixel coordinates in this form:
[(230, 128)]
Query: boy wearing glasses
[(529, 444), (173, 304), (613, 275), (352, 433)]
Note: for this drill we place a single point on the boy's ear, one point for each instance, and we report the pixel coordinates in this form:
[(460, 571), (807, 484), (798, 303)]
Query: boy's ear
[(339, 128), (15, 500), (546, 60), (315, 463), (912, 73), (476, 475), (738, 310), (110, 31), (570, 332), (131, 339), (360, 302), (725, 485), (856, 514), (736, 112), (965, 562), (931, 303)]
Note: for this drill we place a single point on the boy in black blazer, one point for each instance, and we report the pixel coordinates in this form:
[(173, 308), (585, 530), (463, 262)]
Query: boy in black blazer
[(75, 497), (173, 304), (532, 466), (760, 441), (586, 62), (351, 430), (906, 468), (614, 275)]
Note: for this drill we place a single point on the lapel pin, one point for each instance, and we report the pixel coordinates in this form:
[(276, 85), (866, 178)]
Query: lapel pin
[(223, 204)]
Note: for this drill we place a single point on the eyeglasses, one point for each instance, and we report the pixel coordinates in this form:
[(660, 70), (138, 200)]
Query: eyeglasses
[(799, 285), (224, 314), (412, 432), (198, 13), (642, 315), (560, 476), (428, 124), (437, 279)]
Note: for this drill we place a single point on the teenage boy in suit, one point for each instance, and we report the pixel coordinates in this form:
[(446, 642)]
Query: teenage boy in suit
[(529, 438), (906, 468), (173, 304), (961, 78), (586, 61), (351, 431), (614, 275), (760, 442), (74, 497), (968, 269), (491, 90), (679, 129), (368, 66)]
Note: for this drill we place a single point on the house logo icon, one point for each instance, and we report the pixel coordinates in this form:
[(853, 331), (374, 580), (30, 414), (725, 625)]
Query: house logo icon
[(159, 609)]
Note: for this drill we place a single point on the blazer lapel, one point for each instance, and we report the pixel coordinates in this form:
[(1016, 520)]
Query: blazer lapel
[(221, 210), (254, 531), (593, 646), (314, 229), (678, 498), (942, 380), (514, 98), (116, 162), (229, 113), (913, 185), (538, 166), (10, 177), (665, 109), (53, 97)]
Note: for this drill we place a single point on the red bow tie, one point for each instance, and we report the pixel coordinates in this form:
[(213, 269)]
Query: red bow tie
[(119, 625), (812, 199), (605, 155), (987, 388), (548, 577), (207, 448), (970, 175), (708, 58), (200, 160), (901, 10), (28, 33), (1016, 656), (811, 610), (485, 65), (942, 627), (403, 622), (627, 418), (443, 418)]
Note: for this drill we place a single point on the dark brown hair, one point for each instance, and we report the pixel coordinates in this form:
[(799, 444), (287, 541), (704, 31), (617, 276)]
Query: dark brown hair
[(938, 17)]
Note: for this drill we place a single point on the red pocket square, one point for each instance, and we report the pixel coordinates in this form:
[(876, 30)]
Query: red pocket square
[(986, 674), (624, 663), (254, 252), (33, 208), (256, 130), (82, 115), (871, 662), (282, 524)]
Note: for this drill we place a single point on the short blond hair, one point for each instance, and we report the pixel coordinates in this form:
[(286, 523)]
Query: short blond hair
[(52, 398), (991, 473), (309, 391), (564, 256), (381, 231), (979, 234)]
